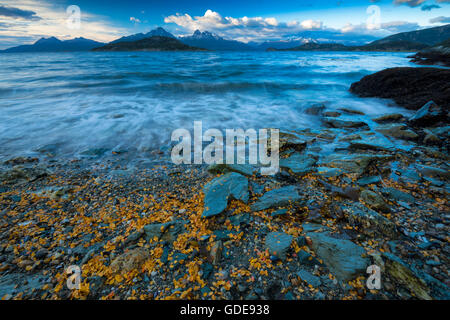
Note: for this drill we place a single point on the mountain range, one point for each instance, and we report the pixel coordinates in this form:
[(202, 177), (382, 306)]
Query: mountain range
[(154, 43), (53, 44), (407, 41)]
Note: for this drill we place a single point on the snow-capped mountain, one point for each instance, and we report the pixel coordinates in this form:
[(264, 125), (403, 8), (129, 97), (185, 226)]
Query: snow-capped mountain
[(139, 36), (210, 41)]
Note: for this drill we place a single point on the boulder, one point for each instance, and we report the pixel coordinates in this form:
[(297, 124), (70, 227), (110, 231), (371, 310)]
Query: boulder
[(397, 195), (374, 201), (315, 109), (220, 190), (408, 87), (369, 221), (343, 257), (353, 163), (131, 260), (429, 114), (298, 164), (405, 276), (391, 117), (399, 131), (278, 244), (277, 198), (309, 278)]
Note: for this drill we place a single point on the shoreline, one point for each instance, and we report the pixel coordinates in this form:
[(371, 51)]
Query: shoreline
[(144, 235)]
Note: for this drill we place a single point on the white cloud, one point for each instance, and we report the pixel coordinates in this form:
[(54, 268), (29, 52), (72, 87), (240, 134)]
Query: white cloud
[(440, 19), (243, 28), (135, 20)]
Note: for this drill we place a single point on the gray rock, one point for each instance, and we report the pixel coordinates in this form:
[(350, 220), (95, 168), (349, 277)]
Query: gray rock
[(369, 180), (341, 123), (429, 114), (405, 276), (369, 221), (309, 278), (353, 163), (278, 244), (374, 201), (433, 171), (399, 131), (329, 172), (315, 109), (220, 190), (342, 257), (298, 164), (277, 198), (393, 117), (243, 169), (397, 195)]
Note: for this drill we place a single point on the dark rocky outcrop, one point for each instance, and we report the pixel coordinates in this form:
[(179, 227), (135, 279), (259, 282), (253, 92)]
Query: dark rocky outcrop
[(411, 88)]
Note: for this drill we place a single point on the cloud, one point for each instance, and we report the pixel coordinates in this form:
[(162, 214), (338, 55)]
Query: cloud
[(430, 7), (440, 19), (135, 20), (52, 22), (410, 3), (17, 13), (243, 28)]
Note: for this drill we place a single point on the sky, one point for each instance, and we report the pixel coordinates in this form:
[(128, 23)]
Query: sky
[(25, 21)]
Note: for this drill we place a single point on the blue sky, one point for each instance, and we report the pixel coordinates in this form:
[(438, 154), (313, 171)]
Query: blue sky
[(25, 21)]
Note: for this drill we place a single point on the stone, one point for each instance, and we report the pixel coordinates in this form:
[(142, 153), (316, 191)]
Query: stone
[(220, 190), (278, 244), (168, 231), (332, 114), (340, 123), (298, 164), (291, 140), (215, 254), (429, 114), (342, 257), (434, 171), (307, 259), (131, 260), (397, 195), (352, 111), (353, 163), (277, 198), (329, 172), (409, 87), (280, 212), (369, 221), (309, 278), (399, 131), (405, 276), (369, 180), (315, 109), (374, 201), (392, 117), (374, 142), (243, 169)]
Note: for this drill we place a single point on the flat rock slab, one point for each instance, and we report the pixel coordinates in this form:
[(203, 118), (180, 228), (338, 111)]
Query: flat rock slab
[(309, 278), (369, 221), (342, 257), (298, 164), (243, 169), (278, 244), (277, 198), (220, 190), (353, 163)]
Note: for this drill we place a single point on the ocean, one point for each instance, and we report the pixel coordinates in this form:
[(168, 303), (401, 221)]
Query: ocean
[(68, 104)]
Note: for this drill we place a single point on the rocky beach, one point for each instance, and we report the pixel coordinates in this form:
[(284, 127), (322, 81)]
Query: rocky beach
[(379, 197)]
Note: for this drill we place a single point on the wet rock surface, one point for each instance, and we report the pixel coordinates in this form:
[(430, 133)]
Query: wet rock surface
[(345, 198), (408, 87)]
